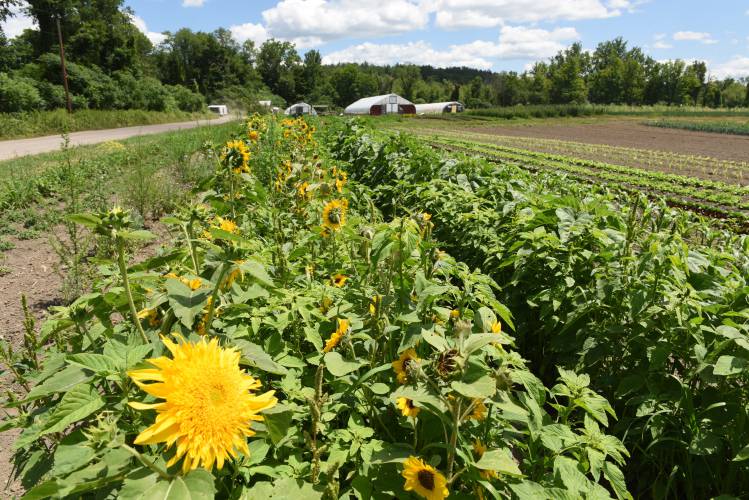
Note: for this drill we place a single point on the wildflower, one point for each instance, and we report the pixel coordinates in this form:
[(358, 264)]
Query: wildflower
[(339, 280), (424, 480), (253, 135), (209, 403), (340, 181), (479, 449), (334, 214), (302, 190), (455, 313), (407, 408), (401, 365), (335, 338), (496, 327), (234, 274), (194, 283), (227, 225), (478, 412)]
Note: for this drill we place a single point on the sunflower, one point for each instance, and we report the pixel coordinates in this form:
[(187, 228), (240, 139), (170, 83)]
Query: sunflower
[(496, 327), (339, 280), (152, 315), (407, 408), (340, 181), (424, 480), (227, 225), (401, 365), (334, 214), (478, 412), (455, 313), (335, 338), (209, 403), (303, 190), (253, 135), (375, 304), (237, 156), (479, 449)]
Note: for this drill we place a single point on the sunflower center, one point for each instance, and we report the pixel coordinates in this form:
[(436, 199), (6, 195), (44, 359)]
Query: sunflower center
[(334, 216), (426, 479)]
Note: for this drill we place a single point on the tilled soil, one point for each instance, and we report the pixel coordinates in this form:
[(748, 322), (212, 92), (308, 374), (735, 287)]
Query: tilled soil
[(634, 135)]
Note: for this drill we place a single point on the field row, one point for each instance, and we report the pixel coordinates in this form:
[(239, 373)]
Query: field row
[(724, 127), (705, 196)]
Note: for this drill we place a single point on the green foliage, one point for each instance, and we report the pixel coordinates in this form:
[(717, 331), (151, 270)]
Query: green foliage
[(733, 128), (650, 303), (18, 94)]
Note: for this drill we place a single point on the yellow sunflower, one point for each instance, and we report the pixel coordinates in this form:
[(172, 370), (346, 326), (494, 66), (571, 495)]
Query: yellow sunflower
[(334, 214), (374, 305), (454, 313), (152, 315), (339, 280), (424, 480), (407, 408), (401, 364), (340, 181), (209, 403), (336, 336), (479, 449), (253, 135), (237, 156), (496, 327), (478, 412)]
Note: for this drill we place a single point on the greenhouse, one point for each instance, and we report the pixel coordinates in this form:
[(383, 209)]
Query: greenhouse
[(381, 105), (300, 108), (435, 108)]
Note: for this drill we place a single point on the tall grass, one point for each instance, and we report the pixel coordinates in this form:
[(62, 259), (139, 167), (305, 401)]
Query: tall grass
[(37, 123), (733, 128)]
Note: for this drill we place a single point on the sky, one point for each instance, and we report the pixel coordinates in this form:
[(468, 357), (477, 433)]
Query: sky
[(486, 34)]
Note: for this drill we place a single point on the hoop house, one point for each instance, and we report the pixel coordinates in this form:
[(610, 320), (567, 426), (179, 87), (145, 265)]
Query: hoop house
[(300, 108), (434, 108), (381, 105)]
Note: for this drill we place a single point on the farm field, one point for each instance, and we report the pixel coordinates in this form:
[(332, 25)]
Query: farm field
[(501, 323)]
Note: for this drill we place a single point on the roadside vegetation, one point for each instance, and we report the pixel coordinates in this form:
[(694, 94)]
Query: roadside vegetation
[(733, 128), (38, 123)]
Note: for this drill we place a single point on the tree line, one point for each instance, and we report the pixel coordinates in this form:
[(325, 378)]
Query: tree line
[(113, 65)]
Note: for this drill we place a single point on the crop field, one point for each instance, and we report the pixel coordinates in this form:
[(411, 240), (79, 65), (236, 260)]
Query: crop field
[(327, 309), (718, 127)]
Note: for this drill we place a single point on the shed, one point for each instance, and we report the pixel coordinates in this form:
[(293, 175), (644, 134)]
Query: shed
[(300, 108), (219, 109), (434, 108), (381, 105)]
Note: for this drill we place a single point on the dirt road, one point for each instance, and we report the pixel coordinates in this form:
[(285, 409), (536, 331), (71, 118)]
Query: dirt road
[(36, 145)]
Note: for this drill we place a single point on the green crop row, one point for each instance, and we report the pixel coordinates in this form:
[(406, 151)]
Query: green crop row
[(732, 128), (653, 303)]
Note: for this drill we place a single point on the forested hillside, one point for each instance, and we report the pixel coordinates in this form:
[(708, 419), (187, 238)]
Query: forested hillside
[(113, 65)]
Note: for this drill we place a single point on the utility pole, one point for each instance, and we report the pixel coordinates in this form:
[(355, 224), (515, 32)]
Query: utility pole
[(64, 71)]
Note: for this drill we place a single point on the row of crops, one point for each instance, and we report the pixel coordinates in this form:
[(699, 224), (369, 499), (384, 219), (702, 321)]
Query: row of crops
[(715, 198), (704, 167), (291, 342), (717, 127), (650, 304)]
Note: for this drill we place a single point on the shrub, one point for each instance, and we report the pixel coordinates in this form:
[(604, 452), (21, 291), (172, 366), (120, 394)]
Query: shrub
[(18, 94), (186, 99)]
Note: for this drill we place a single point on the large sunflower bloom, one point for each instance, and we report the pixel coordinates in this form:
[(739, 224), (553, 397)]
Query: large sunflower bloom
[(334, 214), (237, 155), (424, 480), (400, 365), (208, 405)]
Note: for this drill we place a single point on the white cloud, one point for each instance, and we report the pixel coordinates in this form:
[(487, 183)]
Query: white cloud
[(660, 41), (453, 14), (737, 67), (15, 25), (140, 23), (695, 36), (192, 3), (515, 42), (249, 31), (313, 22)]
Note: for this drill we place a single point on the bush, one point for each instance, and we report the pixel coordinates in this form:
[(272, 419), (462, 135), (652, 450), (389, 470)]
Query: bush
[(186, 99), (18, 94)]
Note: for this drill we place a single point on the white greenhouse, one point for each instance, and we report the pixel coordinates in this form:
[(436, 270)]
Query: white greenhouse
[(435, 108), (381, 105), (300, 108)]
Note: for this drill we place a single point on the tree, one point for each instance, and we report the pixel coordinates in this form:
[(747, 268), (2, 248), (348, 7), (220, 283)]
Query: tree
[(276, 62), (567, 83), (311, 74), (408, 77)]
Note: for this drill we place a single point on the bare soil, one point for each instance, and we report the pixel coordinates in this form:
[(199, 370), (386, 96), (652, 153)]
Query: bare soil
[(634, 135)]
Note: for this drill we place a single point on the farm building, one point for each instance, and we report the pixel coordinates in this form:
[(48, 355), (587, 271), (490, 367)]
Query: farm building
[(381, 105), (435, 108), (300, 108)]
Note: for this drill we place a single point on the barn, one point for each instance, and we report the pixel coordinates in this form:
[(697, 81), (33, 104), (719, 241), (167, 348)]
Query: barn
[(381, 105), (300, 108), (435, 108)]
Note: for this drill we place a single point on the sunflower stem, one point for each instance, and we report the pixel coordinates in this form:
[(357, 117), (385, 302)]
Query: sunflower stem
[(126, 285), (187, 229), (158, 470), (214, 295), (453, 442)]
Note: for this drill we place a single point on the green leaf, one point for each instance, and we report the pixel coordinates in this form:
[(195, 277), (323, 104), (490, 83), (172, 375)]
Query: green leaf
[(482, 388), (76, 404), (98, 363), (500, 460), (337, 366), (138, 235), (257, 271), (729, 365), (277, 422), (435, 340), (88, 220), (258, 358), (615, 478), (61, 382), (742, 455), (185, 302), (478, 340), (196, 485)]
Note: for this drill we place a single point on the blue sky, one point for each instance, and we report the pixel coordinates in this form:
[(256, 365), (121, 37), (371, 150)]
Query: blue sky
[(489, 34)]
